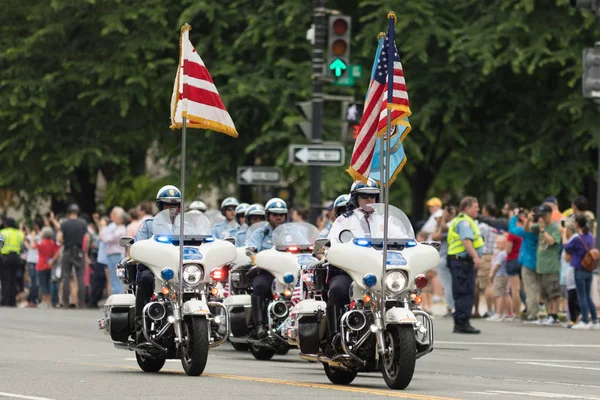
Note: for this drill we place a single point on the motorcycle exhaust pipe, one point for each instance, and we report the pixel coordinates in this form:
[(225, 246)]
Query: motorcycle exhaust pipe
[(279, 309), (156, 311), (356, 320)]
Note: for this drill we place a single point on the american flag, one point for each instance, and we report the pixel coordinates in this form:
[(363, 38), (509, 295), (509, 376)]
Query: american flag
[(195, 95), (387, 90), (297, 293)]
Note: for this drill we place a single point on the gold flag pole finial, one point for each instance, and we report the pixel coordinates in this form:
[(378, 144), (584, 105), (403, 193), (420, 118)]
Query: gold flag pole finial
[(392, 14), (186, 27), (381, 34)]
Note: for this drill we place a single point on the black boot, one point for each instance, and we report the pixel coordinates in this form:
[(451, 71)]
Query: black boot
[(465, 328), (139, 331), (258, 317), (334, 313)]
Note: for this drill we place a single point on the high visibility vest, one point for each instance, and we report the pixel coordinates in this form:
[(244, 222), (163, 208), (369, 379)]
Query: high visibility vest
[(455, 244), (13, 239)]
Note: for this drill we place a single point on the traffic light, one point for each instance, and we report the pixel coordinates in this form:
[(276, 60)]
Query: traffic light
[(592, 5), (591, 72), (338, 49)]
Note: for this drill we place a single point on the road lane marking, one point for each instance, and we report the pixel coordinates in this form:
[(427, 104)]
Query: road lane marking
[(546, 395), (577, 346), (559, 366), (133, 359), (330, 386), (527, 360), (22, 396), (485, 393)]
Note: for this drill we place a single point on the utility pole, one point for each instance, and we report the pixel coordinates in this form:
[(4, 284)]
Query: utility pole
[(318, 59)]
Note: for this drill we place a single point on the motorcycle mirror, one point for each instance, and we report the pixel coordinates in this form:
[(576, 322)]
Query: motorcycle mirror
[(435, 245), (126, 241), (346, 236), (320, 244), (1, 242), (250, 251), (230, 240)]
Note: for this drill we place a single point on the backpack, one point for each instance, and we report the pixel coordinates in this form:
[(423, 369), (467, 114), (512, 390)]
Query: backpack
[(589, 262)]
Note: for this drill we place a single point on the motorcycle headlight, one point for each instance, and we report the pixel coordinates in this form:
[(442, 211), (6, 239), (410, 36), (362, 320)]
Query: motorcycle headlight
[(192, 275), (395, 282)]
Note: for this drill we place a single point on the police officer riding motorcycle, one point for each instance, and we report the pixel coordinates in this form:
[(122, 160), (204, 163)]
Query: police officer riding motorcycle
[(168, 197), (197, 205), (276, 214), (254, 213), (240, 218), (339, 208), (223, 229)]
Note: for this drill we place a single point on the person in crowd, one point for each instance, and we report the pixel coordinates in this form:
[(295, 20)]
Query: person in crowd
[(513, 271), (440, 234), (434, 205), (11, 254), (31, 239), (577, 248), (548, 260), (553, 203), (71, 236), (255, 213), (197, 205), (465, 248), (110, 235), (298, 215), (499, 281), (567, 277), (240, 218), (48, 253), (99, 270), (144, 211), (528, 260), (482, 282), (134, 222), (508, 210), (222, 229)]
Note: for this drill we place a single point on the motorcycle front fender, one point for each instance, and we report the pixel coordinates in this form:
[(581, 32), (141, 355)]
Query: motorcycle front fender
[(400, 316), (195, 307)]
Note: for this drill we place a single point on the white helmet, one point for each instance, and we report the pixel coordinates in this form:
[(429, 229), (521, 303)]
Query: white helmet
[(229, 202), (198, 205), (242, 208), (167, 194), (276, 206), (255, 209)]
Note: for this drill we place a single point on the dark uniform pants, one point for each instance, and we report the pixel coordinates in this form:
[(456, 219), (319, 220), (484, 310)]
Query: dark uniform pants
[(339, 288), (8, 273), (262, 285), (145, 288), (463, 288)]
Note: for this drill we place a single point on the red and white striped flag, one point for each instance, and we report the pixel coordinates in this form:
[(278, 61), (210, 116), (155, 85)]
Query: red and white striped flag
[(297, 293), (195, 95), (387, 91)]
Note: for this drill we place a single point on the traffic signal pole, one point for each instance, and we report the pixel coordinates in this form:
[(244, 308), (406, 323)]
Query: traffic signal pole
[(318, 60)]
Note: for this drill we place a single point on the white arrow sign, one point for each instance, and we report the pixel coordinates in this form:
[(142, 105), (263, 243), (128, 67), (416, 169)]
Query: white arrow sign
[(317, 155), (258, 175)]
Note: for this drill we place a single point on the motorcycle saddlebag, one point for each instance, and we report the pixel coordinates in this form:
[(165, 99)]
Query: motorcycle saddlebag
[(121, 323)]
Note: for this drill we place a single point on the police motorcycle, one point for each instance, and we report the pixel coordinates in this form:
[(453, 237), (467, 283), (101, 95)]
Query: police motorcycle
[(369, 341), (176, 324), (293, 246)]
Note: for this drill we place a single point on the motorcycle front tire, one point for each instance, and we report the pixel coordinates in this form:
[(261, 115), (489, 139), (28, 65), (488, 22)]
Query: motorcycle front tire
[(240, 346), (398, 372), (195, 353), (339, 376), (262, 353), (149, 364)]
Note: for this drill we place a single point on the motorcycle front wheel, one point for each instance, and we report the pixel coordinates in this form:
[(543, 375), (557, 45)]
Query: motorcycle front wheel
[(149, 364), (398, 366), (194, 353)]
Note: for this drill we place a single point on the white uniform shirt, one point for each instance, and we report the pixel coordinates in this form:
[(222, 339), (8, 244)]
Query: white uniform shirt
[(365, 225)]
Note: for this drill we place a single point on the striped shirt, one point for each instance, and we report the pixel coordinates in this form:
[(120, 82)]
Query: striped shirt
[(489, 235)]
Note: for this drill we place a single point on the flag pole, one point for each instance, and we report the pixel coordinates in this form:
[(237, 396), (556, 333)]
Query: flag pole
[(182, 208)]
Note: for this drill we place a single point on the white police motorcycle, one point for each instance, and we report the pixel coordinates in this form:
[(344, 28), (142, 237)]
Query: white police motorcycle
[(293, 243), (176, 324), (369, 341)]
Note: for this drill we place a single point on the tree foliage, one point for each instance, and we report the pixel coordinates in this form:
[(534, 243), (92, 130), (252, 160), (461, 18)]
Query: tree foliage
[(494, 90)]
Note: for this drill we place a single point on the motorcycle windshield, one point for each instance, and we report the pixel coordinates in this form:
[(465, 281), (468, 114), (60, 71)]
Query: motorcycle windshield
[(255, 227), (299, 235), (195, 224), (214, 216), (399, 226)]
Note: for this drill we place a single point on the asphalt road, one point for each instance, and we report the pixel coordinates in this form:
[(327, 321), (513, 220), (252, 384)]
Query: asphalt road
[(60, 354)]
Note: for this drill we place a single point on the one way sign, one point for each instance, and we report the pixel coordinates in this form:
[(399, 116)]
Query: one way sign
[(258, 175), (316, 154)]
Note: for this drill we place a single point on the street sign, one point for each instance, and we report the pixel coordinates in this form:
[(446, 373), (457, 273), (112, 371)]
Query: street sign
[(354, 72), (316, 154), (258, 175)]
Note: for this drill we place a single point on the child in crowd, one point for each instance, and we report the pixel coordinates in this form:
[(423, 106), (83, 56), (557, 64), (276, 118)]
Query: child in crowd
[(499, 280), (48, 253)]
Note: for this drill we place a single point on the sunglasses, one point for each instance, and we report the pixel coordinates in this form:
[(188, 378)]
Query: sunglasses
[(229, 208), (366, 196)]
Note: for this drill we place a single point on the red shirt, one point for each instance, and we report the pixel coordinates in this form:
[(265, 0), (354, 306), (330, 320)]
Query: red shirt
[(46, 250), (514, 252)]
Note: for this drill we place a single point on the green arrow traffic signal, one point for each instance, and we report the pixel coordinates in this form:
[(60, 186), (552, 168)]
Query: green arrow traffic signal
[(338, 67)]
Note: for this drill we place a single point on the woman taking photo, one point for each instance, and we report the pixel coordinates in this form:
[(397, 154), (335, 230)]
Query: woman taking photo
[(577, 248)]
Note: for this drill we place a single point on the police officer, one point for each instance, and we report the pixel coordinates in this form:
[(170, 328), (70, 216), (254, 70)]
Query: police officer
[(465, 249), (255, 213), (13, 241), (168, 197), (197, 205), (356, 219), (240, 218), (276, 212), (222, 229), (339, 208)]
